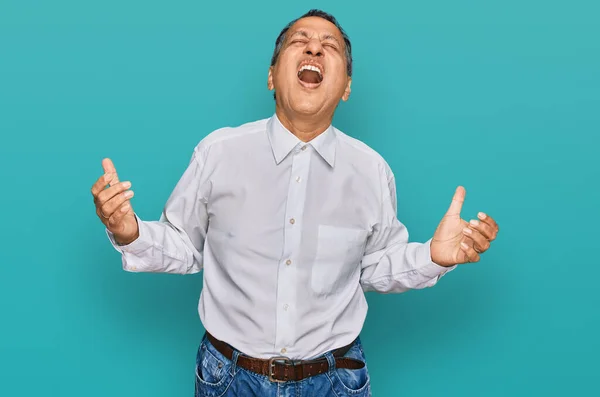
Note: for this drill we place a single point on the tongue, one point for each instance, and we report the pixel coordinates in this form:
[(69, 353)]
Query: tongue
[(309, 76)]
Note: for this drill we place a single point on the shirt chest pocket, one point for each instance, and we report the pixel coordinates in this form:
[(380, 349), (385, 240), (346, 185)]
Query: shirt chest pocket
[(337, 261)]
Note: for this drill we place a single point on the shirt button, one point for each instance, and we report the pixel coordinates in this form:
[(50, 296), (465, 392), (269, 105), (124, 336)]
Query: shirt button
[(292, 221), (284, 350), (288, 262), (286, 306), (303, 147), (298, 179)]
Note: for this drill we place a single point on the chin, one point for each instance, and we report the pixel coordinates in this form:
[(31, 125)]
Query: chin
[(306, 109), (306, 104)]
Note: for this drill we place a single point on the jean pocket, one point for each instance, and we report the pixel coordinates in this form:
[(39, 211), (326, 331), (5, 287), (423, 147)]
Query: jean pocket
[(353, 382), (213, 371), (337, 261)]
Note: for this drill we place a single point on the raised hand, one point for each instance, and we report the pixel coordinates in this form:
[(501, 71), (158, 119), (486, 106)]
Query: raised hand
[(113, 205), (457, 241)]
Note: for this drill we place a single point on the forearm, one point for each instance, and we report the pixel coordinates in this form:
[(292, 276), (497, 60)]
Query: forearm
[(159, 248), (400, 268)]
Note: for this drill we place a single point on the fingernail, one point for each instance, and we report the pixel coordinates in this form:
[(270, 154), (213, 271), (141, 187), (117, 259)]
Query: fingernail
[(129, 193), (467, 230), (464, 245), (126, 185), (474, 222), (481, 215)]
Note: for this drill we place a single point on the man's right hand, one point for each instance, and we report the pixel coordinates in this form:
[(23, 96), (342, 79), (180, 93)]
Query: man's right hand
[(113, 205)]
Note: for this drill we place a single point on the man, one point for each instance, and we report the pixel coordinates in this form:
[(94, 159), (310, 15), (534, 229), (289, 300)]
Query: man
[(292, 221)]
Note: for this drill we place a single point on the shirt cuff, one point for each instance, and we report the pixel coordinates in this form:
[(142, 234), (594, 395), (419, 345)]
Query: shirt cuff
[(140, 244), (429, 268)]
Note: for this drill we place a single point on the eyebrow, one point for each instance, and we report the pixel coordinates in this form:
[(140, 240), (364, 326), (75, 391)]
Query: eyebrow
[(326, 36)]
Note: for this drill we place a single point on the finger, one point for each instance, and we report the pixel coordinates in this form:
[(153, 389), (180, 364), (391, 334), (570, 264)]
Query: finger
[(480, 243), (99, 185), (109, 193), (489, 220), (469, 241), (109, 168), (109, 208), (469, 252), (120, 213), (483, 228), (457, 201)]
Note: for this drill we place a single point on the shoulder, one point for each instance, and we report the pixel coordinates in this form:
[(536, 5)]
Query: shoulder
[(360, 151), (230, 135)]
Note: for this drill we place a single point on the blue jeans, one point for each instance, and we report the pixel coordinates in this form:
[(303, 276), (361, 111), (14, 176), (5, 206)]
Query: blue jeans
[(217, 376)]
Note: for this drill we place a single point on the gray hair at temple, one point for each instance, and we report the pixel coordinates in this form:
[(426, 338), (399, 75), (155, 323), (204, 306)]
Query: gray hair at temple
[(321, 14)]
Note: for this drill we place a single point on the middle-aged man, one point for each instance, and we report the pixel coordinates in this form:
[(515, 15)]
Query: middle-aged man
[(292, 221)]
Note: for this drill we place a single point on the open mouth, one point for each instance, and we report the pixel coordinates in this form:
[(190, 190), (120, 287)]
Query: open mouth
[(310, 75)]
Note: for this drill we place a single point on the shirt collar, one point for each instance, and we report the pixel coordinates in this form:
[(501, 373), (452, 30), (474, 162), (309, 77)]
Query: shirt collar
[(325, 144), (283, 141)]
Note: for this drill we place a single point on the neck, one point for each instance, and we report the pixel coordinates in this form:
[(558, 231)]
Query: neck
[(305, 128)]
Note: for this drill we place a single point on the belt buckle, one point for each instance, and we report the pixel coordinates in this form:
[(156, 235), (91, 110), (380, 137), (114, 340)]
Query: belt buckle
[(279, 360)]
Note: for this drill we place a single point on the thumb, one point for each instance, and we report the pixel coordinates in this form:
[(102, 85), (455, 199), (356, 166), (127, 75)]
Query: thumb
[(457, 201), (109, 167)]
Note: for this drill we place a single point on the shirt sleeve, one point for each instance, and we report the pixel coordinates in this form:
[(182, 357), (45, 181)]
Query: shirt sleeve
[(174, 243), (391, 264)]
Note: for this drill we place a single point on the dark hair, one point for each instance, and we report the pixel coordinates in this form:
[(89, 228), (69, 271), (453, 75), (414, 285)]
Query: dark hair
[(320, 14)]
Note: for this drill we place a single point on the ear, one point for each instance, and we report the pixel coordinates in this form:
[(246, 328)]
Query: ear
[(270, 85), (347, 91)]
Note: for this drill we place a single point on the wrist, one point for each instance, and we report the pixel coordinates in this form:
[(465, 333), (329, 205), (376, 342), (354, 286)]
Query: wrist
[(126, 240)]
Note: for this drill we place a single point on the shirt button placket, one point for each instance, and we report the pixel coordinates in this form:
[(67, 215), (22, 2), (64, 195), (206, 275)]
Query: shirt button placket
[(286, 287)]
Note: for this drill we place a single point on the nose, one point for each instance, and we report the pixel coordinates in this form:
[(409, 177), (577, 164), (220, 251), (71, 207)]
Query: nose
[(314, 47)]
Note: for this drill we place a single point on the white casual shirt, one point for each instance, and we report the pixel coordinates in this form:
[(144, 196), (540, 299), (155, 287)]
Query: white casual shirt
[(290, 235)]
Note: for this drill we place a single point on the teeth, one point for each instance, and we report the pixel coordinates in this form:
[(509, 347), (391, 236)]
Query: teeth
[(311, 67)]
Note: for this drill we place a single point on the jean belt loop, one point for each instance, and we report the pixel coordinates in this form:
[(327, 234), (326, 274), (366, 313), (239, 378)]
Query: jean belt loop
[(234, 359), (330, 361)]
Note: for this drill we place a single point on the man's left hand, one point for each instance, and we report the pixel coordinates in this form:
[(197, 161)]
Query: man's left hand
[(457, 241)]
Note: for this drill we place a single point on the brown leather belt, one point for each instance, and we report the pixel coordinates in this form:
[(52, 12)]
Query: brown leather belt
[(283, 369)]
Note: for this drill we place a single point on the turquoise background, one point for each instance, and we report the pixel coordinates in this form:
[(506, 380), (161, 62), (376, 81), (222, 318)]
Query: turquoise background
[(501, 97)]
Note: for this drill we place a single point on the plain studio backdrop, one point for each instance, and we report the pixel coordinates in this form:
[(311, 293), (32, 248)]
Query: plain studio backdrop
[(501, 97)]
